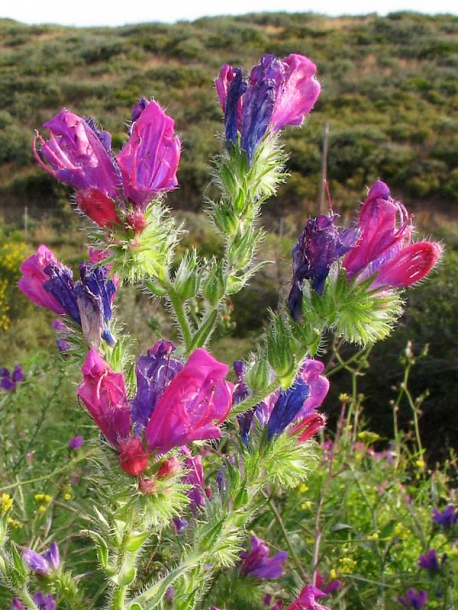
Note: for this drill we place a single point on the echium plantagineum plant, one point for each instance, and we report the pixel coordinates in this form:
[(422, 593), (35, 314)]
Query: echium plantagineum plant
[(187, 458)]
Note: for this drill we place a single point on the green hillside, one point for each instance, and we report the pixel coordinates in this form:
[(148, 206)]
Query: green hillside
[(390, 97)]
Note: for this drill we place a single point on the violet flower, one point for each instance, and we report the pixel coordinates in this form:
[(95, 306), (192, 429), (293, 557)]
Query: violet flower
[(414, 599), (88, 301), (175, 404), (278, 93), (79, 154), (320, 244), (195, 478), (42, 564), (297, 405), (307, 599), (9, 380), (385, 250), (430, 562), (45, 602), (76, 442), (257, 563), (447, 517)]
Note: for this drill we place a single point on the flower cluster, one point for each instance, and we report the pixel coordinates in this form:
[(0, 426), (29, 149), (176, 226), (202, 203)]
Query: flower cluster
[(385, 251), (88, 301), (295, 405), (112, 190), (278, 93), (176, 403), (10, 379), (378, 248)]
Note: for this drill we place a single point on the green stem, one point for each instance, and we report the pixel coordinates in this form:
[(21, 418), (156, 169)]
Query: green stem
[(286, 536), (255, 398), (181, 316)]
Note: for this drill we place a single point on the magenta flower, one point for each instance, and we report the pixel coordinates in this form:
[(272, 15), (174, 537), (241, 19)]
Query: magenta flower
[(307, 599), (277, 93), (257, 563), (174, 405), (385, 250), (80, 155), (104, 393), (88, 301), (194, 404), (149, 160), (34, 278)]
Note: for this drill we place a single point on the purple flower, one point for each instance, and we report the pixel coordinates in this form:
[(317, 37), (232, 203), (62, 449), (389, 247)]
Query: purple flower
[(8, 380), (195, 477), (307, 599), (63, 332), (320, 244), (80, 155), (257, 563), (42, 564), (189, 403), (88, 301), (45, 602), (447, 518), (277, 93), (154, 372), (34, 278), (430, 562), (384, 250), (296, 404), (414, 599), (76, 442)]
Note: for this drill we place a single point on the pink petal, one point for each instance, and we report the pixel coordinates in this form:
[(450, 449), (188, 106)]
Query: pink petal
[(411, 265)]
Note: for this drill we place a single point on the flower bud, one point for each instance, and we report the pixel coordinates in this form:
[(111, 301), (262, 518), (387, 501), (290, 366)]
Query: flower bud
[(187, 279), (213, 285), (258, 375)]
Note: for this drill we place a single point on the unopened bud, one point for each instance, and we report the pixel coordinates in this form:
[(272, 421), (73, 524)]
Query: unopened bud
[(258, 375), (169, 467)]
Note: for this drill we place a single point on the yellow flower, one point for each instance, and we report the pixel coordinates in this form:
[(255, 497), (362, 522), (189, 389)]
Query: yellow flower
[(373, 536), (303, 488), (347, 565), (400, 531), (6, 502), (368, 437)]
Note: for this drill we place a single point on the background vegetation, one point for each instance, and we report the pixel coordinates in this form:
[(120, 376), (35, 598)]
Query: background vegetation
[(390, 99)]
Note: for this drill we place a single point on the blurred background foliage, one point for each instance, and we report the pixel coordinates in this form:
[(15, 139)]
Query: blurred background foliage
[(390, 101)]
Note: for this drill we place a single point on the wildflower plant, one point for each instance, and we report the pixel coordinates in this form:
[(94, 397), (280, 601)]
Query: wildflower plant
[(189, 454)]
